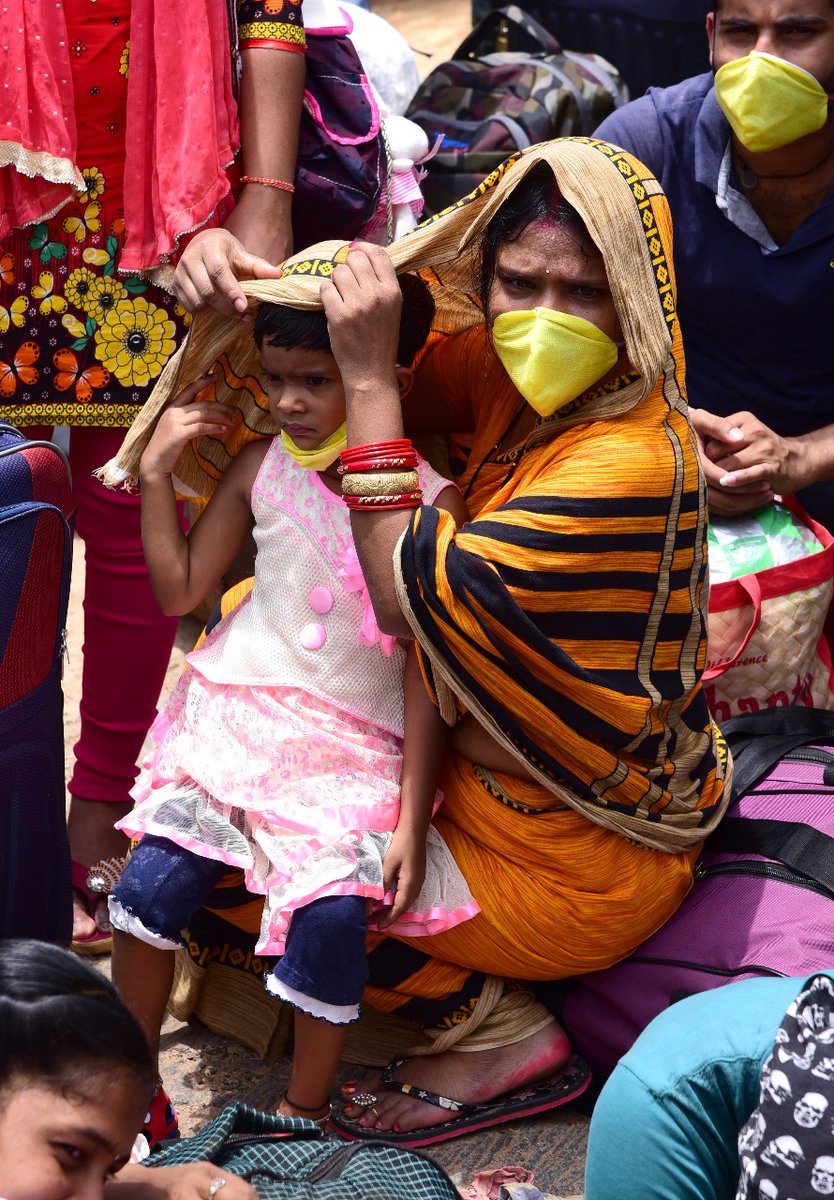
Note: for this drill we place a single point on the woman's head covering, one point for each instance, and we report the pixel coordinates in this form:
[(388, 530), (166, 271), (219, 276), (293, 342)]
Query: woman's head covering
[(624, 211)]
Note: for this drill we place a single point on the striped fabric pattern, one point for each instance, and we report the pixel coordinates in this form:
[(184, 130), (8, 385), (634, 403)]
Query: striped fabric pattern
[(573, 623), (569, 613)]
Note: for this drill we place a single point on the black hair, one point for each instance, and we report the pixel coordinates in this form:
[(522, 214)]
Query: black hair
[(61, 1021), (304, 329), (536, 198), (291, 328)]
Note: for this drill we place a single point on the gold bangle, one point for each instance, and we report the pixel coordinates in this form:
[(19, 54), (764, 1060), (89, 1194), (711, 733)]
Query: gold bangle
[(380, 483)]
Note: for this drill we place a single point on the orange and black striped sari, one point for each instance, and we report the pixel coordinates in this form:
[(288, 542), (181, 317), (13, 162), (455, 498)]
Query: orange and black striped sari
[(568, 615)]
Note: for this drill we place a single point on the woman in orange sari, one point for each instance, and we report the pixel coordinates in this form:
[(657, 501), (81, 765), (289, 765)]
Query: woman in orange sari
[(561, 629)]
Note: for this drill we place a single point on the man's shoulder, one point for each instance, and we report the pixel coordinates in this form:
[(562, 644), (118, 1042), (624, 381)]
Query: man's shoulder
[(659, 117)]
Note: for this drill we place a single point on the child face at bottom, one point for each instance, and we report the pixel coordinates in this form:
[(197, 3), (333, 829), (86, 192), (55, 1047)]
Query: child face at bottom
[(57, 1145), (305, 393)]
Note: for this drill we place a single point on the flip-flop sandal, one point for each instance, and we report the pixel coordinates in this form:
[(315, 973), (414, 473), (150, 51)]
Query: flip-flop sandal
[(93, 883), (161, 1123), (564, 1085)]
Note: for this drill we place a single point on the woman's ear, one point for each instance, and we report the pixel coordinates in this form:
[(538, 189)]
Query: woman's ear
[(405, 380)]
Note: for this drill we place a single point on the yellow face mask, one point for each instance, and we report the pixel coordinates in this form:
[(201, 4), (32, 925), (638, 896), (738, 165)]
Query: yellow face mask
[(551, 357), (770, 102), (323, 455)]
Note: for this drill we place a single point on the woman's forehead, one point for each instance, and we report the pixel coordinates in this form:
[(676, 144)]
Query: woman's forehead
[(544, 241)]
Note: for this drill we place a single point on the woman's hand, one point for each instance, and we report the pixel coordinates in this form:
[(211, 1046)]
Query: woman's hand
[(363, 304), (208, 272), (185, 418), (404, 869), (192, 1181)]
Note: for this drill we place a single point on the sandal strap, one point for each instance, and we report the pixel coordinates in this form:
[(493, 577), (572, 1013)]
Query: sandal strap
[(421, 1093), (103, 875)]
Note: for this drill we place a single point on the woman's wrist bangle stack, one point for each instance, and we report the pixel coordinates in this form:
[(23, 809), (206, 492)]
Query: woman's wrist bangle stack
[(280, 184), (381, 475), (380, 483)]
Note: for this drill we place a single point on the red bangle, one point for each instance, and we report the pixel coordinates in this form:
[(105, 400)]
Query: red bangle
[(393, 444), (273, 183), (395, 447), (403, 500), (406, 462), (384, 507)]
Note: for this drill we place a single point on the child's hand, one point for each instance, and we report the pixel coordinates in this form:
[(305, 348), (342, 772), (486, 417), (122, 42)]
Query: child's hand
[(185, 418), (404, 869)]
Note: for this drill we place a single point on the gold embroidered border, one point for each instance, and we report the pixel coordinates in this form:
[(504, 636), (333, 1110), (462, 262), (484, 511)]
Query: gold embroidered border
[(485, 185), (272, 31), (642, 190), (488, 781), (112, 416), (310, 266)]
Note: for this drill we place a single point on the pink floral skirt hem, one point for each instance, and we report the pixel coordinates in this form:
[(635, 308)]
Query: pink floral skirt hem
[(300, 796)]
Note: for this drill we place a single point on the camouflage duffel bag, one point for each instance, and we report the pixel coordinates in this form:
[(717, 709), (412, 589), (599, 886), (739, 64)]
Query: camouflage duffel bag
[(508, 86)]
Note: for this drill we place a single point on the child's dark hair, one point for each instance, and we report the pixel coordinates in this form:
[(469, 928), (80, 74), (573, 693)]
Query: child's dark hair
[(291, 328), (61, 1021)]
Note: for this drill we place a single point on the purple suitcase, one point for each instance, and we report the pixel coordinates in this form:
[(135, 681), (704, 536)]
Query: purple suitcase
[(763, 900)]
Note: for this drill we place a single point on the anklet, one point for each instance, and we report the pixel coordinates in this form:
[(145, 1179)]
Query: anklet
[(301, 1107)]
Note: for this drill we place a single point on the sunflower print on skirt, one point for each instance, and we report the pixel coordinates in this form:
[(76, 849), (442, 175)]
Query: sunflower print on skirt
[(103, 339)]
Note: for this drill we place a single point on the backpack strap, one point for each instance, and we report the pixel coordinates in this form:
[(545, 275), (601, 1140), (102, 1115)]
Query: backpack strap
[(589, 63), (516, 132), (759, 740)]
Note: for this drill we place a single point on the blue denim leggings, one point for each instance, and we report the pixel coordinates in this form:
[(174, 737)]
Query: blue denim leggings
[(163, 886)]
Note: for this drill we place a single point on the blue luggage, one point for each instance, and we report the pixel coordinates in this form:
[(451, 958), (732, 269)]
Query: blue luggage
[(35, 562)]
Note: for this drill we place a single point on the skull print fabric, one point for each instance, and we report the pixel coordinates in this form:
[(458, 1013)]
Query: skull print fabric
[(786, 1148)]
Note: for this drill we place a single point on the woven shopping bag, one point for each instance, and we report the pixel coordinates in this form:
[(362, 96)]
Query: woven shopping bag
[(766, 645)]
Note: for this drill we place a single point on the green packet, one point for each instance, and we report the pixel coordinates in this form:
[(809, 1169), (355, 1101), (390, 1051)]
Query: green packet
[(750, 542)]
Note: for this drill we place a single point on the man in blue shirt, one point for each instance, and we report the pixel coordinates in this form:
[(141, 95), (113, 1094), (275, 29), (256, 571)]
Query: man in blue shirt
[(754, 245)]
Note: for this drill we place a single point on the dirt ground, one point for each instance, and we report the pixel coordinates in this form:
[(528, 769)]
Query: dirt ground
[(201, 1071)]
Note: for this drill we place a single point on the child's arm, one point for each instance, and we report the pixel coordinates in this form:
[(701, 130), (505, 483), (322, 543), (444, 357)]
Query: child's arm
[(184, 569), (424, 741), (425, 738)]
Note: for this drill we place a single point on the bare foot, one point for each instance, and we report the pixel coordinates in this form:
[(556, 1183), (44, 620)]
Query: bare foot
[(92, 837), (470, 1078)]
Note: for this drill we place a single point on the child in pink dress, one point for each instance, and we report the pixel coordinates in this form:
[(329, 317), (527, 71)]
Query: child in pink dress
[(300, 745)]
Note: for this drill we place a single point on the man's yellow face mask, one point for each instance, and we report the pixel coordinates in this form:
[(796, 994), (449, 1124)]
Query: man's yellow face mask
[(769, 101)]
